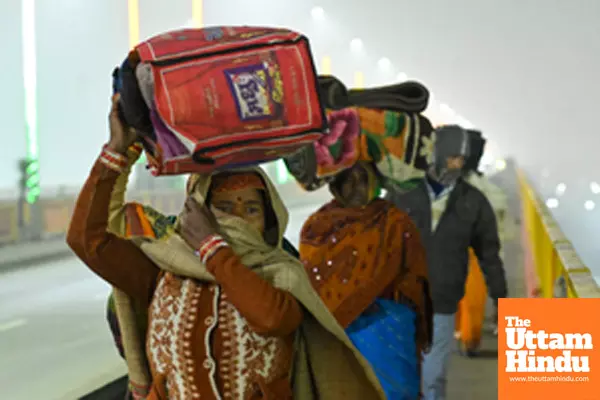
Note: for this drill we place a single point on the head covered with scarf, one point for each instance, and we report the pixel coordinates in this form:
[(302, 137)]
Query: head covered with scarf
[(326, 363), (242, 194), (477, 146), (451, 149), (357, 186)]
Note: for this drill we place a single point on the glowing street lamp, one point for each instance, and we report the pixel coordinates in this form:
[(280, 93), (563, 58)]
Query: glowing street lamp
[(317, 13), (500, 165), (356, 45), (384, 63), (552, 203)]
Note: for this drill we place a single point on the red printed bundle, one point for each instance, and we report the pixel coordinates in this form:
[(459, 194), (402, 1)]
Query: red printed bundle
[(215, 98)]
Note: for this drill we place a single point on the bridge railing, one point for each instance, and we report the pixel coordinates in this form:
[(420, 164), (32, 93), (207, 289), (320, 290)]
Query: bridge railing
[(553, 266), (9, 227), (56, 213)]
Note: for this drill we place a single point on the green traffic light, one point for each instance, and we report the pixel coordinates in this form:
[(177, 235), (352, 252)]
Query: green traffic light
[(33, 195), (32, 180), (33, 166)]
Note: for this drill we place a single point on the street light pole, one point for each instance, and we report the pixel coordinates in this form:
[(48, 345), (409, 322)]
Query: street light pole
[(198, 13), (31, 212)]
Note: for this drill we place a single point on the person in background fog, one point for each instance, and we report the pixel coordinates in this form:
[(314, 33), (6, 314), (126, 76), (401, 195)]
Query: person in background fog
[(471, 311), (452, 216), (230, 313)]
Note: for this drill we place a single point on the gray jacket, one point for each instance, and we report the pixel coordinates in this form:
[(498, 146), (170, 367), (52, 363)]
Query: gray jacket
[(468, 221)]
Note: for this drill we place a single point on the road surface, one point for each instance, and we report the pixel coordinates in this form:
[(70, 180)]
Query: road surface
[(54, 340)]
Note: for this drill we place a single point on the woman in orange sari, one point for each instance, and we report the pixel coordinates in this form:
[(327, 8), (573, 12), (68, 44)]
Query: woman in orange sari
[(365, 258)]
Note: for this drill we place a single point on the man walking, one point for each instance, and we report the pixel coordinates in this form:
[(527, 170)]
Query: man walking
[(452, 216)]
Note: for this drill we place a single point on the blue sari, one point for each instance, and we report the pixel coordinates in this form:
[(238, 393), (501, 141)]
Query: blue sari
[(387, 339)]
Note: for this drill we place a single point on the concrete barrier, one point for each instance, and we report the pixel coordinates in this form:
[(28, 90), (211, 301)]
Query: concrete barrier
[(19, 255), (109, 384), (115, 390), (9, 230)]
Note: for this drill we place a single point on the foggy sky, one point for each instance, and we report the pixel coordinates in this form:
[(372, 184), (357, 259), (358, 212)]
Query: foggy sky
[(523, 71)]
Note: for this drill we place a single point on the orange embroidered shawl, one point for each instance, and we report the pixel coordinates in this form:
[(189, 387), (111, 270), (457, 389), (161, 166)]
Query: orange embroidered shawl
[(354, 255)]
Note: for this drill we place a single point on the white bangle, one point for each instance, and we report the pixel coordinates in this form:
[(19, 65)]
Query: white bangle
[(209, 247)]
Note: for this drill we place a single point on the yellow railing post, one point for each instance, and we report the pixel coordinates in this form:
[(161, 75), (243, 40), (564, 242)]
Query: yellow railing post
[(553, 255)]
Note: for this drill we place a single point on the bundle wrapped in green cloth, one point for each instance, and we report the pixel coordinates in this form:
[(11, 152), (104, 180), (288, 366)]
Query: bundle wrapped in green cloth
[(392, 134)]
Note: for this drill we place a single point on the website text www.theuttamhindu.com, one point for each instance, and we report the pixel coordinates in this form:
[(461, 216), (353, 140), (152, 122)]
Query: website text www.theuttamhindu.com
[(541, 379)]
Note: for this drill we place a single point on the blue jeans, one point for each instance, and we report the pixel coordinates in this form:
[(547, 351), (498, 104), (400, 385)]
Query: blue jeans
[(435, 363)]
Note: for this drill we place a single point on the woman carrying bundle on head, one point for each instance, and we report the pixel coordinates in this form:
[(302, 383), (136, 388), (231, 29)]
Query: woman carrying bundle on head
[(230, 314), (366, 260)]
